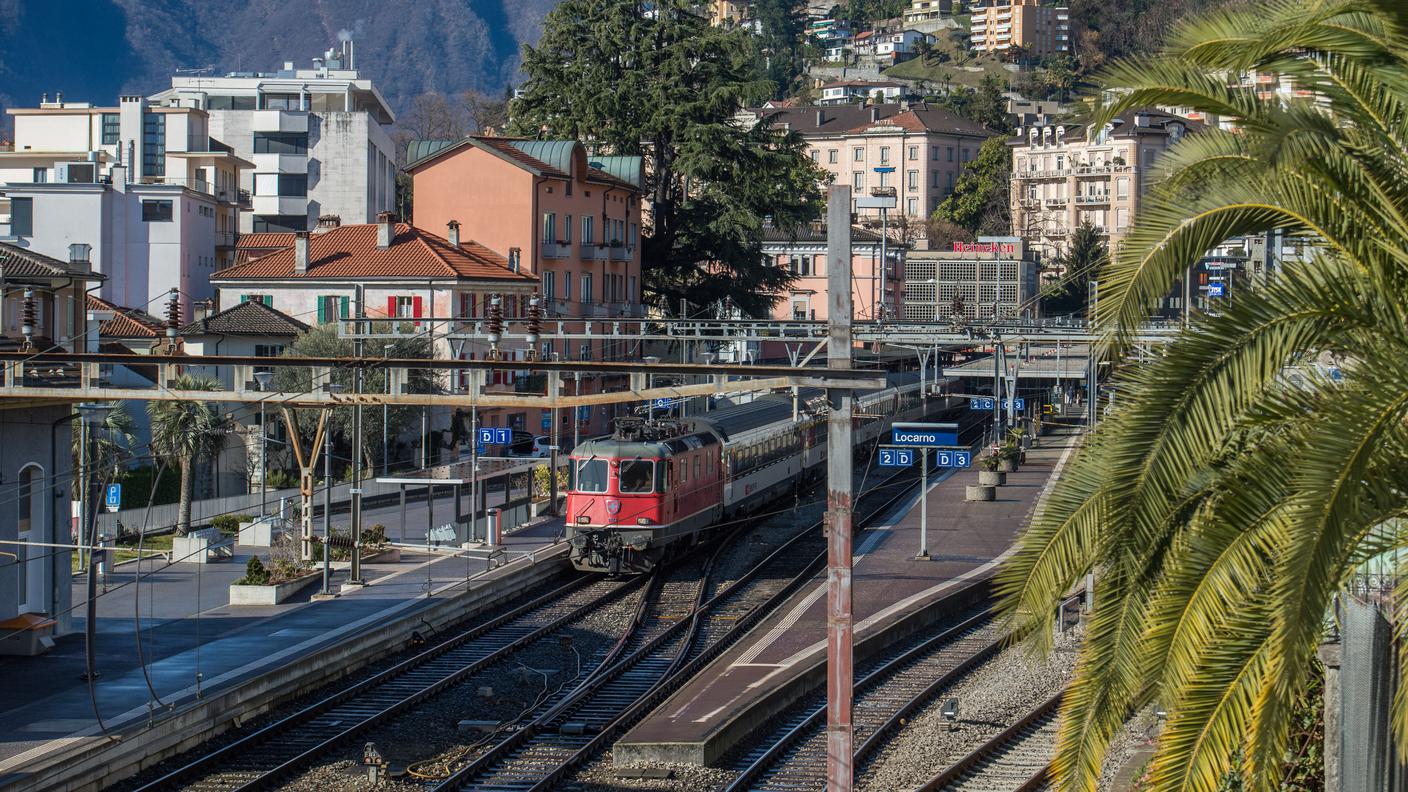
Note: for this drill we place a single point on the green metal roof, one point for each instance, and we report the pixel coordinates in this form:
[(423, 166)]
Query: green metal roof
[(417, 150), (628, 169), (555, 153)]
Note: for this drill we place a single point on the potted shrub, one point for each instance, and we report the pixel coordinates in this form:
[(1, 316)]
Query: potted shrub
[(1007, 457), (264, 586), (988, 474)]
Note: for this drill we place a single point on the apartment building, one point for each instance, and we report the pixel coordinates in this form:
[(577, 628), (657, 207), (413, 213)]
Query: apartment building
[(572, 220), (803, 252), (150, 198), (1064, 176), (999, 26), (925, 10), (918, 150), (317, 137), (858, 91)]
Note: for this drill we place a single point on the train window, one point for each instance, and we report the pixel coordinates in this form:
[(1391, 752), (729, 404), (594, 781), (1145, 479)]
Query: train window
[(662, 474), (684, 470), (636, 476), (696, 467), (591, 475)]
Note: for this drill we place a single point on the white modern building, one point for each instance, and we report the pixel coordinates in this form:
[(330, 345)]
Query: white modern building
[(142, 192), (317, 137)]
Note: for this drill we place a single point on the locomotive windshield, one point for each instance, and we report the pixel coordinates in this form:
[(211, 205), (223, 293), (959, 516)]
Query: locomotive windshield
[(591, 475), (636, 476)]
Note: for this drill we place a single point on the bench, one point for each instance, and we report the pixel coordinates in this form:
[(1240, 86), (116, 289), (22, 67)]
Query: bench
[(202, 546)]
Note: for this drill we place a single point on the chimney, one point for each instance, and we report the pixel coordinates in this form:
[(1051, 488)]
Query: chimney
[(820, 117), (874, 114), (78, 253), (44, 98), (59, 98), (300, 251), (454, 233), (385, 229), (514, 256)]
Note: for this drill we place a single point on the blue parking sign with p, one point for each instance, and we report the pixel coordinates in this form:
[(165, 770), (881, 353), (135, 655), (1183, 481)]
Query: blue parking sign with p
[(112, 498)]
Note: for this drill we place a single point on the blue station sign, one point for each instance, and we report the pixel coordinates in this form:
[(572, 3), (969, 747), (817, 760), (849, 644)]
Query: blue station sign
[(896, 457), (989, 404), (955, 459), (495, 435), (929, 435)]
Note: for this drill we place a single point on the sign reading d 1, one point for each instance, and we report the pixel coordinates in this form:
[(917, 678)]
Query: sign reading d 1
[(112, 498), (496, 435), (932, 435)]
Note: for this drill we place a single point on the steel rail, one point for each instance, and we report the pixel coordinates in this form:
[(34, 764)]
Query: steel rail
[(1009, 739), (512, 640)]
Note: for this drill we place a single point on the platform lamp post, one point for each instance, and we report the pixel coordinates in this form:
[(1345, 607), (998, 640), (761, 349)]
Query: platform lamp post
[(386, 416), (91, 415), (262, 379), (327, 498)]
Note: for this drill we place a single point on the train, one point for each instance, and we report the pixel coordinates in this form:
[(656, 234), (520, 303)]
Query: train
[(655, 486)]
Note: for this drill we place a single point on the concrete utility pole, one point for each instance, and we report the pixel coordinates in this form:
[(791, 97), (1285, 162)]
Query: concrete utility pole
[(840, 748)]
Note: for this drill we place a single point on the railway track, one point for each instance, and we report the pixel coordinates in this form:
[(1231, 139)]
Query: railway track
[(286, 746), (542, 755), (1014, 761), (792, 755)]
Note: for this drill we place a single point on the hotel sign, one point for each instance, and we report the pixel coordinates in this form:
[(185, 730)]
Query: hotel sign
[(1008, 248)]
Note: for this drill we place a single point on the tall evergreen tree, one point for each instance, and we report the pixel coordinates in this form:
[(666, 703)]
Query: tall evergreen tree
[(667, 87)]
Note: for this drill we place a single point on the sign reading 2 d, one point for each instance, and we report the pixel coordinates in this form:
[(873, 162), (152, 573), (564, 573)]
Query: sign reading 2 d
[(932, 435), (896, 457)]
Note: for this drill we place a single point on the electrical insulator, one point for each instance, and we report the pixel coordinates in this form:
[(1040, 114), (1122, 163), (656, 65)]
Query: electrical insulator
[(495, 326), (27, 318), (173, 315), (535, 326)]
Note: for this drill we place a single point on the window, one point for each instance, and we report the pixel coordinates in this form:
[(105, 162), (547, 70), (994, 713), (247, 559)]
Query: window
[(586, 288), (833, 156), (858, 180), (588, 237), (913, 179), (405, 307), (41, 175), (950, 153), (914, 152), (112, 128), (21, 216), (1122, 186), (156, 211), (858, 154), (25, 496), (631, 237), (280, 223), (912, 206), (281, 143), (948, 182), (636, 476), (590, 475), (632, 295), (696, 467), (884, 154), (267, 299), (282, 101), (332, 307), (814, 156), (549, 285), (966, 154), (567, 285), (288, 185), (567, 229), (153, 144), (934, 153)]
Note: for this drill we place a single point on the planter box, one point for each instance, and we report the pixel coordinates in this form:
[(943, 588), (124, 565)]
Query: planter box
[(991, 478), (389, 556), (1007, 465), (262, 532), (271, 595), (979, 493), (200, 547), (1026, 442)]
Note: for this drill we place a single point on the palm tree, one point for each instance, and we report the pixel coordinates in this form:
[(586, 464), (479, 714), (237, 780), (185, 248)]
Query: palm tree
[(185, 432), (1222, 506)]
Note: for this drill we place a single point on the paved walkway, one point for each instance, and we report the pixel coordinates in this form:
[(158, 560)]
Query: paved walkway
[(966, 540), (189, 630)]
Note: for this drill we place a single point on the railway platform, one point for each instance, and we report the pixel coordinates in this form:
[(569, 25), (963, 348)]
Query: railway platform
[(893, 593), (207, 662)]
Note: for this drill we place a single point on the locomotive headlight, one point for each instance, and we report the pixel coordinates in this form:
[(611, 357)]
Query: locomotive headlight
[(642, 521), (583, 520)]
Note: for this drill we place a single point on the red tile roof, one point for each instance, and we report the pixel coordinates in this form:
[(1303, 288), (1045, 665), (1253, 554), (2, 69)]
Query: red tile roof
[(351, 251), (252, 246), (128, 322)]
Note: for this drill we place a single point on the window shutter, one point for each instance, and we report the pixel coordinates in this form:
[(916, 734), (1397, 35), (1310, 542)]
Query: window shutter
[(344, 313), (268, 301), (322, 310), (391, 307), (419, 304), (244, 298)]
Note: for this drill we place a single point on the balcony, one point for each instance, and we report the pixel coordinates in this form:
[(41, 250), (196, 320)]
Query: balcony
[(1100, 170), (1030, 203), (620, 253), (557, 250), (1093, 198), (592, 252), (281, 163), (279, 121), (280, 205), (1055, 202)]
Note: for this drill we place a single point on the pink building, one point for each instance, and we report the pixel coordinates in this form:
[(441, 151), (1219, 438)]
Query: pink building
[(571, 220), (918, 150)]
